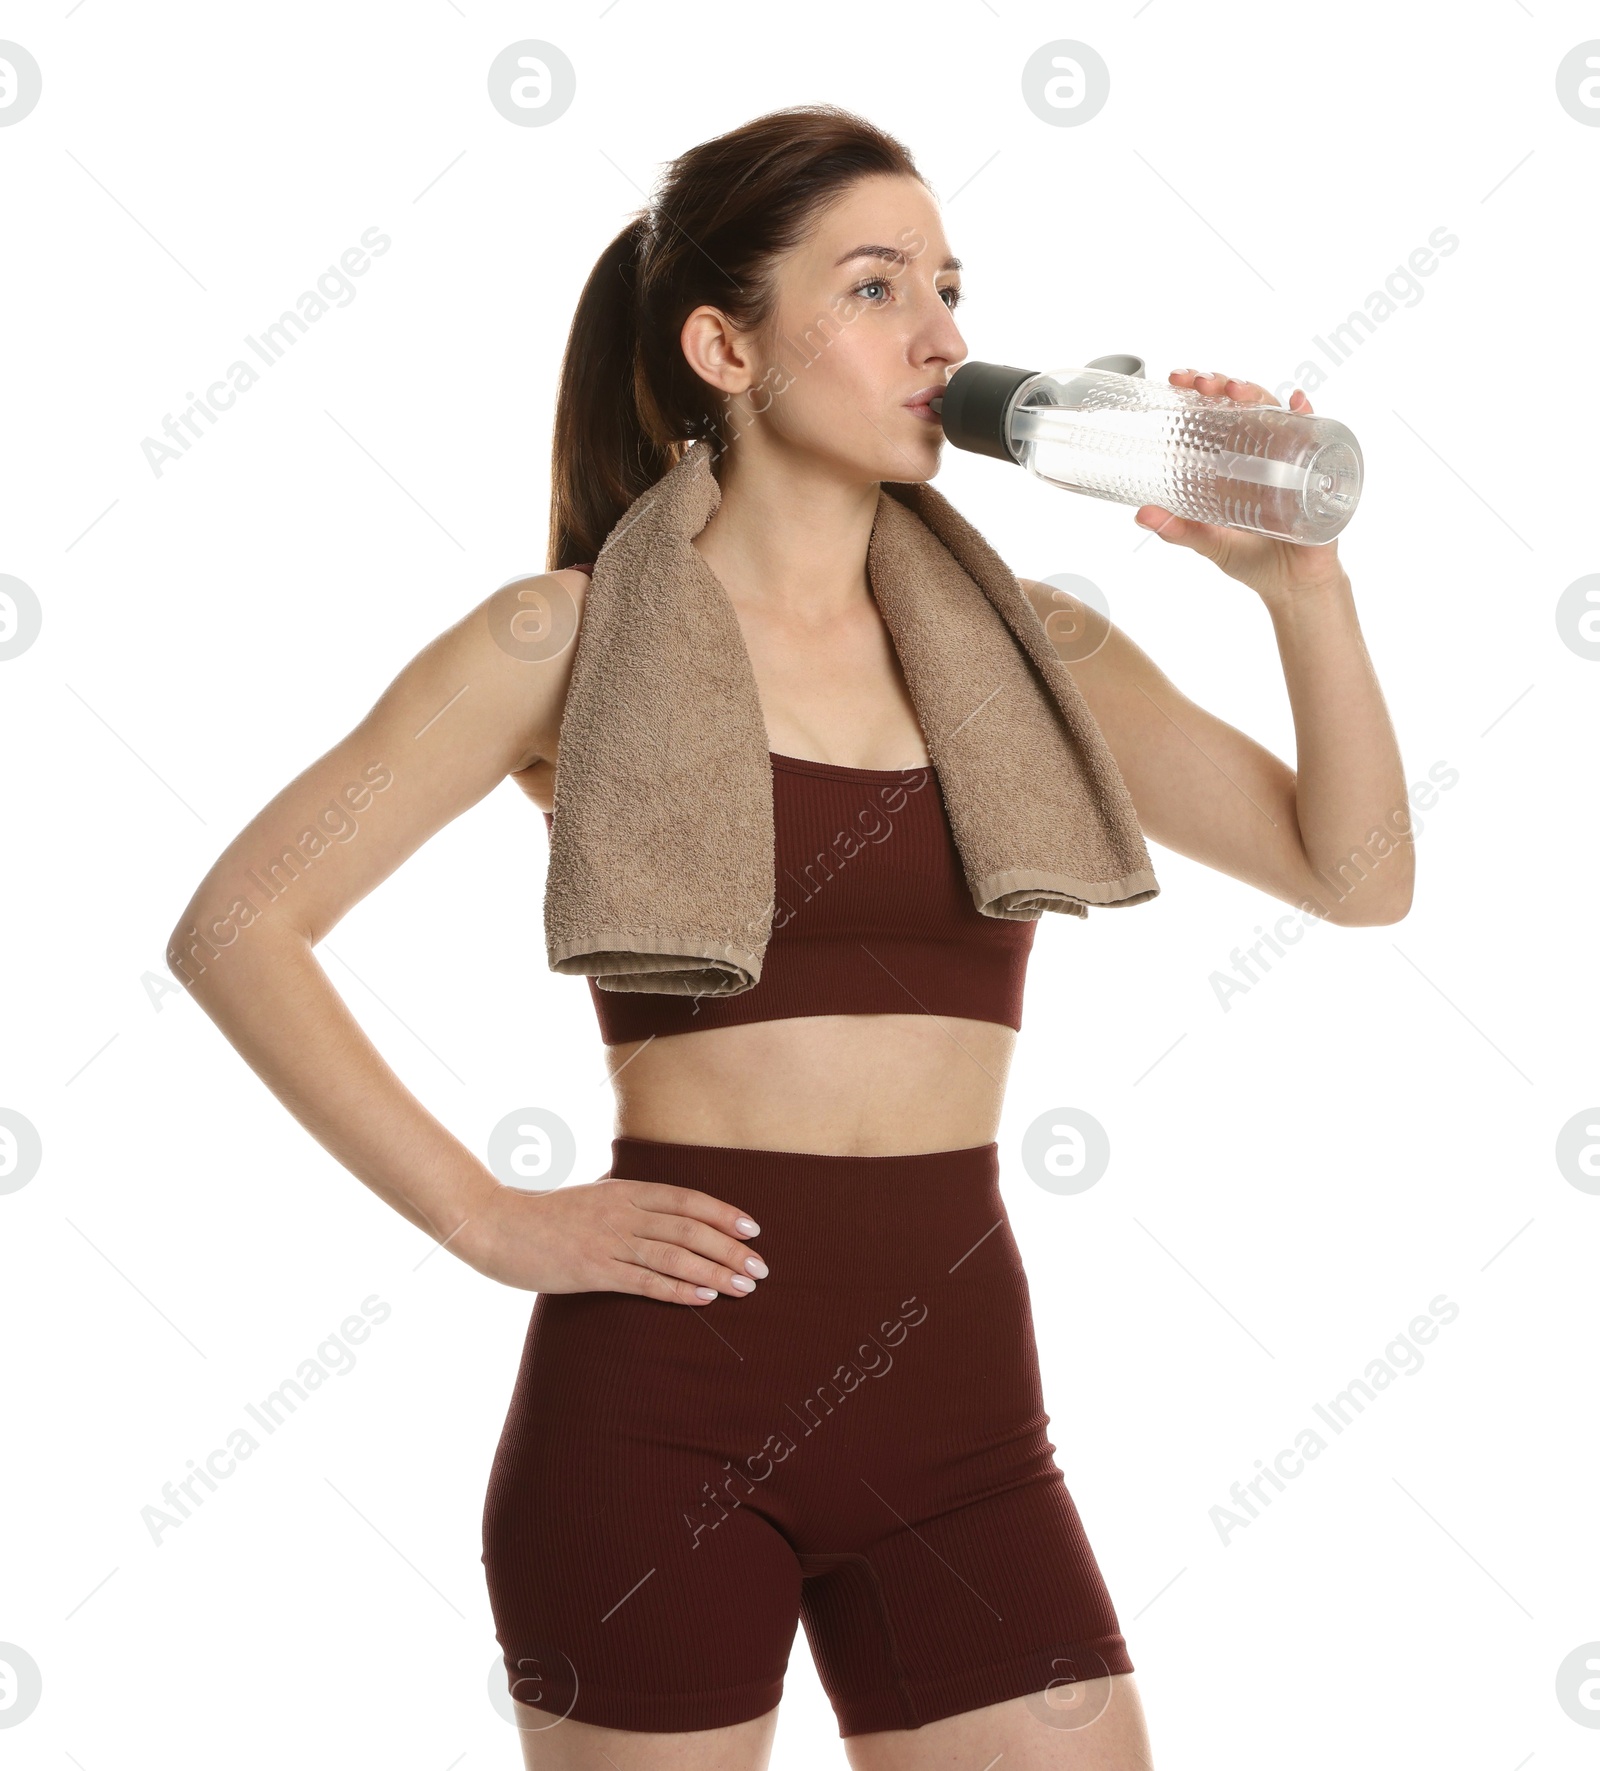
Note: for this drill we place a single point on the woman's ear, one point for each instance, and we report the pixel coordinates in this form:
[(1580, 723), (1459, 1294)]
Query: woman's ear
[(717, 352)]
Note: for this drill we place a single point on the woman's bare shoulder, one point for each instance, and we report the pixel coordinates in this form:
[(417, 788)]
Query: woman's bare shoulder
[(1102, 658), (535, 620), (480, 701)]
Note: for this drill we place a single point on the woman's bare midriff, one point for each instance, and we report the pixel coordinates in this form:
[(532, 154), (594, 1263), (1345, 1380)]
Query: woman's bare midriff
[(832, 1085)]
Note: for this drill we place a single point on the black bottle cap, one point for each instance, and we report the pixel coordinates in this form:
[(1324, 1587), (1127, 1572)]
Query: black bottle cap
[(972, 409)]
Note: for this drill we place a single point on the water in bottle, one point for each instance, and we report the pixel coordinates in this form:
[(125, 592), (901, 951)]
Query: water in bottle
[(1112, 435)]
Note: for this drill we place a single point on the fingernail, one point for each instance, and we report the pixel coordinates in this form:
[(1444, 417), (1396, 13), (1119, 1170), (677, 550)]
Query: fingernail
[(704, 1291), (754, 1264), (749, 1226), (742, 1284)]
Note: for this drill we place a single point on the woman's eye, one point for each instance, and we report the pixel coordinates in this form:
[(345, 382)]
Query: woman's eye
[(951, 296)]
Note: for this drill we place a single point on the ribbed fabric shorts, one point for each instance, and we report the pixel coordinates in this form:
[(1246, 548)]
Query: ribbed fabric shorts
[(859, 1445)]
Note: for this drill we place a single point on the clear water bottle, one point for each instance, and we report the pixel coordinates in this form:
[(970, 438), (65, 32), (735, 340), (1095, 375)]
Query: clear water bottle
[(1105, 431)]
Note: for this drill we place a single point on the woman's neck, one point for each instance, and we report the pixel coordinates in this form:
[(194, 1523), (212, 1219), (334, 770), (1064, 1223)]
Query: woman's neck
[(790, 532)]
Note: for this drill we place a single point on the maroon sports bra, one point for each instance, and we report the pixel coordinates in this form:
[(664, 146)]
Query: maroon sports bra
[(872, 915)]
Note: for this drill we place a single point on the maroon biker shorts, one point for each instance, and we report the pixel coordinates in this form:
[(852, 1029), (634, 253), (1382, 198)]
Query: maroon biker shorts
[(859, 1444)]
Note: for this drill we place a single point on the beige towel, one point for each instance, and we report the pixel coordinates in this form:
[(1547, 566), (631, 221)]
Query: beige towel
[(661, 873)]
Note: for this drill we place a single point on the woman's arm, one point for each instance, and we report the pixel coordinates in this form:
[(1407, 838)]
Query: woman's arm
[(471, 708), (458, 718), (1330, 834)]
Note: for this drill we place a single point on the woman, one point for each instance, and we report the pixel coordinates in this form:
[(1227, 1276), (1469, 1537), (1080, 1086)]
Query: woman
[(859, 1442)]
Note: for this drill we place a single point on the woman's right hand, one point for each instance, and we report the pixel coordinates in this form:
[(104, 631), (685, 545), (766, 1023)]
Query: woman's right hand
[(656, 1241)]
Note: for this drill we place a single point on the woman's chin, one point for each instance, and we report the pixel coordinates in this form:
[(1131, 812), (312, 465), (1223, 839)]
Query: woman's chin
[(917, 463)]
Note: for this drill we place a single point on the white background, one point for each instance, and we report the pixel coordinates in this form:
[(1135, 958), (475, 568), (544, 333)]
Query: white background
[(1292, 1179)]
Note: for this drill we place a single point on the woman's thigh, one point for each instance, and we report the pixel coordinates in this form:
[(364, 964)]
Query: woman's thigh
[(582, 1746), (1090, 1725)]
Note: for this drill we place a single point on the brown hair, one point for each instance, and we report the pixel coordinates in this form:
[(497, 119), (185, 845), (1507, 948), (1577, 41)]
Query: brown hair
[(628, 404)]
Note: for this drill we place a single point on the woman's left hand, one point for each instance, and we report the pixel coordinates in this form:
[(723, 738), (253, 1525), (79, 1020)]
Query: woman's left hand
[(1273, 569)]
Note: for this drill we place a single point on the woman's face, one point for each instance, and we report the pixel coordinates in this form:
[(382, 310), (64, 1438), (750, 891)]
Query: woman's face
[(863, 326)]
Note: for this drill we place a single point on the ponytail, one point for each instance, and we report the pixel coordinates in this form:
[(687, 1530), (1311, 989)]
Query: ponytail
[(628, 405), (601, 459)]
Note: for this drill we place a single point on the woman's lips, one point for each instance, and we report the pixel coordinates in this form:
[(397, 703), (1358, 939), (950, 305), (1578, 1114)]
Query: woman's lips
[(920, 406)]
